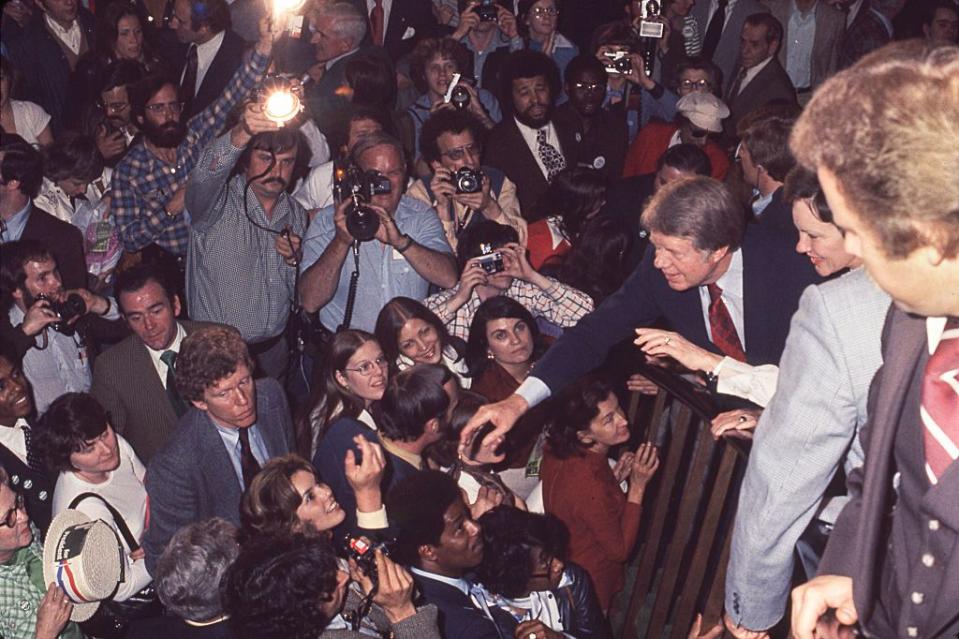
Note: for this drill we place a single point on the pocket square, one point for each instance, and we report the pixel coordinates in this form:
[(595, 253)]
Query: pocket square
[(409, 33)]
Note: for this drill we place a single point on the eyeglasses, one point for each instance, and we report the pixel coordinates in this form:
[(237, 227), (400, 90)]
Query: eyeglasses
[(592, 87), (366, 368), (697, 85), (460, 152), (173, 107), (541, 12), (10, 519)]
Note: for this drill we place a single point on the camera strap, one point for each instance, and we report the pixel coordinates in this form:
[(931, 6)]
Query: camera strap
[(351, 295)]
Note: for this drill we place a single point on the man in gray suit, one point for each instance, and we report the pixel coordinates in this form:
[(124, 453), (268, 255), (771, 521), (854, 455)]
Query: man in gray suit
[(235, 426), (721, 23), (892, 561), (133, 378)]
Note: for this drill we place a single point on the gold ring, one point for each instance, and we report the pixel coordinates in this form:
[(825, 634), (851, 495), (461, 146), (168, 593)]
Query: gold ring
[(742, 419), (666, 343)]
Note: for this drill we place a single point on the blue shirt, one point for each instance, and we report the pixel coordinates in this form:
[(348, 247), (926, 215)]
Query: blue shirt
[(13, 228), (420, 112), (800, 35), (231, 441), (760, 202), (384, 272)]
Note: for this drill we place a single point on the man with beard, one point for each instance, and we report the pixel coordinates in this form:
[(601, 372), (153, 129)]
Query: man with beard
[(440, 540), (57, 361), (601, 136), (241, 268), (149, 191), (529, 147)]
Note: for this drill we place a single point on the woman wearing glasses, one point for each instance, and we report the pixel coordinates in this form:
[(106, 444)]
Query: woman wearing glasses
[(354, 376), (540, 21)]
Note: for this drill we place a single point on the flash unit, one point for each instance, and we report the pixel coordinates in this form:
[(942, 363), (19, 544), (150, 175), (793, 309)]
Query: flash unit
[(281, 103), (287, 6)]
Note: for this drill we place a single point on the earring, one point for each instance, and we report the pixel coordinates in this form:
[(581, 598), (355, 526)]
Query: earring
[(489, 355)]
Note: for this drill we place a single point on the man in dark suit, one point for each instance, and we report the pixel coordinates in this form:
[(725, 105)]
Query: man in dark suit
[(720, 23), (439, 539), (759, 78), (871, 29), (529, 147), (766, 160), (235, 426), (892, 561), (723, 289), (397, 25), (133, 379), (213, 53), (46, 51)]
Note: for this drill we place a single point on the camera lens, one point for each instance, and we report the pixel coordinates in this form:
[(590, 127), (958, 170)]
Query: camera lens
[(460, 98), (361, 222)]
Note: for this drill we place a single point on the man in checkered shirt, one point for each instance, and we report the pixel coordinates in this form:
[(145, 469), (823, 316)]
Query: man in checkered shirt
[(149, 183)]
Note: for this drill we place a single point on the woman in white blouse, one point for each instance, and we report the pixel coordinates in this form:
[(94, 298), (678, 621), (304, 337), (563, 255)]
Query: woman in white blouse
[(26, 119)]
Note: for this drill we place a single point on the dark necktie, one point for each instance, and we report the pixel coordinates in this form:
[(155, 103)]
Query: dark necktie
[(376, 22), (736, 86), (722, 327), (33, 459), (179, 406), (715, 30), (248, 464), (188, 86), (552, 159), (940, 404)]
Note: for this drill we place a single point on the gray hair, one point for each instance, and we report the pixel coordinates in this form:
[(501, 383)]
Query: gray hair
[(348, 22), (699, 208), (374, 139), (188, 573)]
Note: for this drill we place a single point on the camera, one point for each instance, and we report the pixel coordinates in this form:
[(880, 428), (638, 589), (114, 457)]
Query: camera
[(360, 186), (460, 97), (490, 260), (362, 551), (618, 62), (467, 180), (72, 307), (486, 11), (649, 28)]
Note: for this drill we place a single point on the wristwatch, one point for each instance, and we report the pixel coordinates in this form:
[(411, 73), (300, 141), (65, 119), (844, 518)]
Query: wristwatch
[(409, 243)]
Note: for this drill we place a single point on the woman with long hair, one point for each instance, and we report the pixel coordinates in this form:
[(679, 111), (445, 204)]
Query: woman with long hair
[(582, 489), (353, 377), (410, 333), (597, 263), (573, 198)]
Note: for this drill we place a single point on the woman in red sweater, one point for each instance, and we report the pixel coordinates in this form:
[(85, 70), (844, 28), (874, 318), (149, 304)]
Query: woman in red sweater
[(583, 490)]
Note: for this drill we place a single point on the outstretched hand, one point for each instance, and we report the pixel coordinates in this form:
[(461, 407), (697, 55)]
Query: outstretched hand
[(503, 416)]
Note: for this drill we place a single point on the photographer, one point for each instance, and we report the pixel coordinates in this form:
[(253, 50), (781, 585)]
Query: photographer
[(509, 275), (452, 143), (410, 251), (245, 233), (489, 30), (56, 319)]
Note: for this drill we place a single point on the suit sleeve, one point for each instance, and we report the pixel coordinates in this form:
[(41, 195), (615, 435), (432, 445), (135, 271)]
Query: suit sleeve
[(586, 345), (172, 500), (800, 442), (104, 388)]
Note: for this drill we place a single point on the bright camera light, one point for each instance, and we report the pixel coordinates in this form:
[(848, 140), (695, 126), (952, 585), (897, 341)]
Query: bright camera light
[(282, 106), (287, 6)]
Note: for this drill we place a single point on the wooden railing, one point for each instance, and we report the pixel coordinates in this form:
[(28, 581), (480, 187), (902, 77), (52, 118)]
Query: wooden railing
[(680, 561)]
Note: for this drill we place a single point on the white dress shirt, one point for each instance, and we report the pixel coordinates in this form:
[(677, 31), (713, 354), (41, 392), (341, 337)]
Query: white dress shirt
[(13, 439), (801, 35), (71, 37), (731, 282), (529, 136), (387, 7), (160, 365), (713, 5), (204, 58)]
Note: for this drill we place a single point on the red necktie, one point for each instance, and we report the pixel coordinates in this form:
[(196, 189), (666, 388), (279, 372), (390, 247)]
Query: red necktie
[(721, 325), (376, 22), (940, 404)]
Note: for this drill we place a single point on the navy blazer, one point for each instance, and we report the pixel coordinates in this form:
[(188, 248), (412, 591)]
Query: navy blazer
[(458, 617), (774, 276), (414, 15), (778, 216), (225, 63), (328, 461), (192, 478)]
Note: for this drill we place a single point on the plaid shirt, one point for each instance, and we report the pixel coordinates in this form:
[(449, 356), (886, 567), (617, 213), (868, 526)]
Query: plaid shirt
[(560, 304), (143, 184)]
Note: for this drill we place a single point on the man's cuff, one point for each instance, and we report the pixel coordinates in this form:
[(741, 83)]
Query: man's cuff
[(375, 520), (534, 391)]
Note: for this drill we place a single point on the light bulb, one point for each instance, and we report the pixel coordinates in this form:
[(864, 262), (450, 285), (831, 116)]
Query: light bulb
[(284, 6), (281, 106)]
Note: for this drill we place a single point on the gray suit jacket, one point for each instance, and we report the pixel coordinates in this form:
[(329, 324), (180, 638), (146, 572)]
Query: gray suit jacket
[(858, 545), (126, 383), (192, 477), (830, 26), (808, 429), (726, 56)]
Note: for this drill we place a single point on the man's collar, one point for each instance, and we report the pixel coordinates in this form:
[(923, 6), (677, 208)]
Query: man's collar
[(459, 583), (332, 61), (212, 44), (411, 458)]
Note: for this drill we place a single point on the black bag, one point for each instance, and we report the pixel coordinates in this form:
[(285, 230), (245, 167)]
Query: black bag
[(113, 617)]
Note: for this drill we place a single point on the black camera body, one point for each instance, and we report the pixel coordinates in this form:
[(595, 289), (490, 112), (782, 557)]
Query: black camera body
[(618, 63), (468, 180), (72, 307), (360, 186), (491, 261), (460, 97), (486, 10), (362, 551)]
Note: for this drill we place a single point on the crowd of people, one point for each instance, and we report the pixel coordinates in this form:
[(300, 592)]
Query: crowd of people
[(355, 365)]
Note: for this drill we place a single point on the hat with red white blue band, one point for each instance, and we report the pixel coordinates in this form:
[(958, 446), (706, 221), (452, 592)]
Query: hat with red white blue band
[(84, 557)]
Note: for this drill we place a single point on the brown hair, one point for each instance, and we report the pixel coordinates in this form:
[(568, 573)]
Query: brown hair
[(430, 48), (207, 355), (766, 136), (699, 208), (270, 503), (887, 129)]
